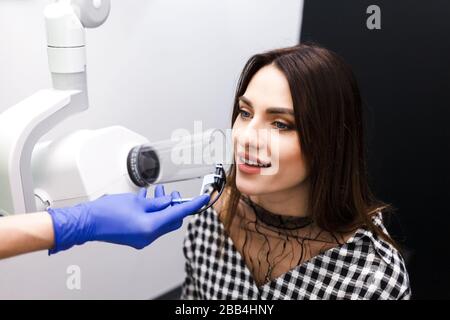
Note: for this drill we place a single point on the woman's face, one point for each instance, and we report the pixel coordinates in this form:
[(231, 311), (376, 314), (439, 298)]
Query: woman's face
[(266, 144)]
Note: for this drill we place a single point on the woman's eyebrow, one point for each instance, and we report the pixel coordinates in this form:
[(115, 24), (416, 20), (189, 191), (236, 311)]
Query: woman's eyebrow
[(272, 110), (280, 111), (246, 101)]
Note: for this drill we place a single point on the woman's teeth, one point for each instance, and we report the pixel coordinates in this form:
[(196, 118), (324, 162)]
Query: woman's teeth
[(253, 163)]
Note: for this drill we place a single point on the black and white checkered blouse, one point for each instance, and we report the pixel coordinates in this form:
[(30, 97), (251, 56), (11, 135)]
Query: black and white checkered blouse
[(364, 267)]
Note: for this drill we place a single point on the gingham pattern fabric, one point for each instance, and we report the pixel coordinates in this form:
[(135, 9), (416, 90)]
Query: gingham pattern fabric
[(365, 267)]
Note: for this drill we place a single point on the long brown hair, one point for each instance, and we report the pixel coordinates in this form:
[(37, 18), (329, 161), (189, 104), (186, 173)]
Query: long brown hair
[(329, 120)]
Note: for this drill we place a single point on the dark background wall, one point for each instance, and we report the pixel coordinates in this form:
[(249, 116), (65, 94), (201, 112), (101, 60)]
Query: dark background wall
[(404, 73)]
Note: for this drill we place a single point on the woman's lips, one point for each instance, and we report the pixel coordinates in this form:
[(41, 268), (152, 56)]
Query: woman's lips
[(252, 160), (250, 164), (245, 168)]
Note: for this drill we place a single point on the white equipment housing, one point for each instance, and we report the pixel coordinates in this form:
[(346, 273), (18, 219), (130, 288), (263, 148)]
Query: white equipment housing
[(22, 125), (87, 163), (83, 166)]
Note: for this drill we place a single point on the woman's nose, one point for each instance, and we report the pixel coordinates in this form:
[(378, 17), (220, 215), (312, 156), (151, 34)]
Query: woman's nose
[(253, 137)]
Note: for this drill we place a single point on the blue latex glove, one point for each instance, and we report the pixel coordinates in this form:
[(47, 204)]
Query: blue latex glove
[(128, 219)]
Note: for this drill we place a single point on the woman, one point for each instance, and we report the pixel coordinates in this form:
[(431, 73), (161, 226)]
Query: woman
[(297, 219)]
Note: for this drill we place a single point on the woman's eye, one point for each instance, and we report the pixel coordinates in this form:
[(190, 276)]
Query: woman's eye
[(244, 114), (282, 126)]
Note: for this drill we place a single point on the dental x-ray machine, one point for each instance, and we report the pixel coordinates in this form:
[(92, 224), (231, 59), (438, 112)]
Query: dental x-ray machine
[(87, 163)]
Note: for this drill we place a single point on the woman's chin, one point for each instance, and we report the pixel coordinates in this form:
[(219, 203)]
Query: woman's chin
[(249, 187)]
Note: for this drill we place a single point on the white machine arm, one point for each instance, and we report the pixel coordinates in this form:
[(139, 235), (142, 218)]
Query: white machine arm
[(87, 163), (20, 128), (66, 21), (23, 125)]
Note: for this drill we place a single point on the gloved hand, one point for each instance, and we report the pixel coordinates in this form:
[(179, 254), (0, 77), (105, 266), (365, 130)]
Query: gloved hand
[(127, 219)]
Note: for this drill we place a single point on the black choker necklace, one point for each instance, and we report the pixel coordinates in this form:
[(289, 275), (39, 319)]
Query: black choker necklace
[(277, 220)]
